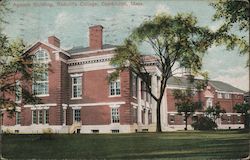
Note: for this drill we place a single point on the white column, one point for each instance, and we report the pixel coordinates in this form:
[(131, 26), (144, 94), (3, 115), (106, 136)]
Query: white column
[(146, 116), (64, 114), (139, 102), (154, 103)]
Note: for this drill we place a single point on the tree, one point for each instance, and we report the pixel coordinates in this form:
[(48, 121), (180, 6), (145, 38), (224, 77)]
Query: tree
[(232, 13), (174, 40), (184, 102), (244, 110), (214, 112), (15, 66)]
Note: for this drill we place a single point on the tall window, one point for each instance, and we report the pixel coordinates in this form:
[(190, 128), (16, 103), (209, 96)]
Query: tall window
[(40, 115), (209, 102), (115, 88), (18, 118), (77, 115), (227, 96), (18, 90), (76, 87), (219, 95), (34, 117), (115, 115), (41, 81), (134, 85), (46, 116)]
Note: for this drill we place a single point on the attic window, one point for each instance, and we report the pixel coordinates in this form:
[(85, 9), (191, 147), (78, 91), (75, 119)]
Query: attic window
[(227, 96)]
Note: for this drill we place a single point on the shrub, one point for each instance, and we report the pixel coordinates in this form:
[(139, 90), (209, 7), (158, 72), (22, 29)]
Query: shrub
[(204, 123)]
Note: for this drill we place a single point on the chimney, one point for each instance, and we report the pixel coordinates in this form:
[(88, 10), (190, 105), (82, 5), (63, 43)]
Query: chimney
[(54, 41), (95, 37)]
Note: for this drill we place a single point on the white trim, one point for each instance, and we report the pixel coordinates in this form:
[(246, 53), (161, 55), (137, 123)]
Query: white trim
[(41, 105), (76, 107), (97, 104), (114, 106), (134, 104), (76, 75), (42, 95), (99, 50), (75, 98), (229, 92), (111, 71)]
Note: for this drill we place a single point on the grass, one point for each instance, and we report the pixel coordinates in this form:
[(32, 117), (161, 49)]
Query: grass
[(172, 145)]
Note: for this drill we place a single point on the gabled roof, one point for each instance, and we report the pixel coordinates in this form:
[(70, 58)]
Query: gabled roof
[(222, 86), (79, 49), (218, 85), (49, 45)]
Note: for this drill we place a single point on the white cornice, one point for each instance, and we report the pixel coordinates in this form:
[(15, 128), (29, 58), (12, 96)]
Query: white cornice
[(94, 51), (40, 105), (97, 104), (229, 92)]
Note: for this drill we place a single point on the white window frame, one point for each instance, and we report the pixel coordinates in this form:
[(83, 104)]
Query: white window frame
[(18, 118), (18, 92), (228, 118), (41, 88), (227, 95), (115, 115), (239, 118), (46, 116), (78, 87), (117, 88), (219, 95), (74, 115), (32, 112), (40, 116), (209, 102)]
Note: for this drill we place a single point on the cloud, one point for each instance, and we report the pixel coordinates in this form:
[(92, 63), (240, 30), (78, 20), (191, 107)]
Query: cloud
[(241, 82), (162, 9)]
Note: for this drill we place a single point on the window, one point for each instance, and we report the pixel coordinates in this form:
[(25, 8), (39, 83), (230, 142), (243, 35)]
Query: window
[(115, 131), (95, 131), (18, 118), (34, 117), (209, 102), (76, 87), (40, 115), (115, 88), (219, 95), (77, 115), (172, 118), (134, 86), (46, 116), (239, 118), (229, 118), (18, 90), (227, 96), (40, 73), (115, 115)]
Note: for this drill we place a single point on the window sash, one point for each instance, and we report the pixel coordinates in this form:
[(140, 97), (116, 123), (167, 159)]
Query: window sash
[(115, 88), (77, 115), (18, 91), (115, 115), (34, 117), (40, 115), (76, 87), (18, 118), (46, 116)]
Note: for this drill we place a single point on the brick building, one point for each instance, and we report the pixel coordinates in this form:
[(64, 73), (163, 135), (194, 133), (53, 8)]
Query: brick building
[(77, 97)]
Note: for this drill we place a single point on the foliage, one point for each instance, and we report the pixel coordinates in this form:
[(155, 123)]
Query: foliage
[(174, 40), (244, 109), (214, 112), (232, 12), (184, 102), (204, 123)]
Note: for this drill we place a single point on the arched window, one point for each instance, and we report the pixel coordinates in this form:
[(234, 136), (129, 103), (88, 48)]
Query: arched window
[(40, 73)]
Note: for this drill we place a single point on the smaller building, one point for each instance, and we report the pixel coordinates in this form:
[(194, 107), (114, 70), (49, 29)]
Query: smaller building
[(216, 92)]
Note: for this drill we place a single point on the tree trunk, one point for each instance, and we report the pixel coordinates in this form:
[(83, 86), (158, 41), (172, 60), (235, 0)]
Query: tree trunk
[(186, 122), (158, 116)]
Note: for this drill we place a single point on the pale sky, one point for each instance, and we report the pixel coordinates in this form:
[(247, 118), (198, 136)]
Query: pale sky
[(69, 21)]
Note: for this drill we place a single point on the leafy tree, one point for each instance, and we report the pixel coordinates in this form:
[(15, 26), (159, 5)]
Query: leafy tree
[(14, 65), (173, 39), (233, 13), (214, 112), (244, 110), (184, 102)]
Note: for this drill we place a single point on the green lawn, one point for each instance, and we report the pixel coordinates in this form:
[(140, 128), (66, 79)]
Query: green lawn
[(172, 145)]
